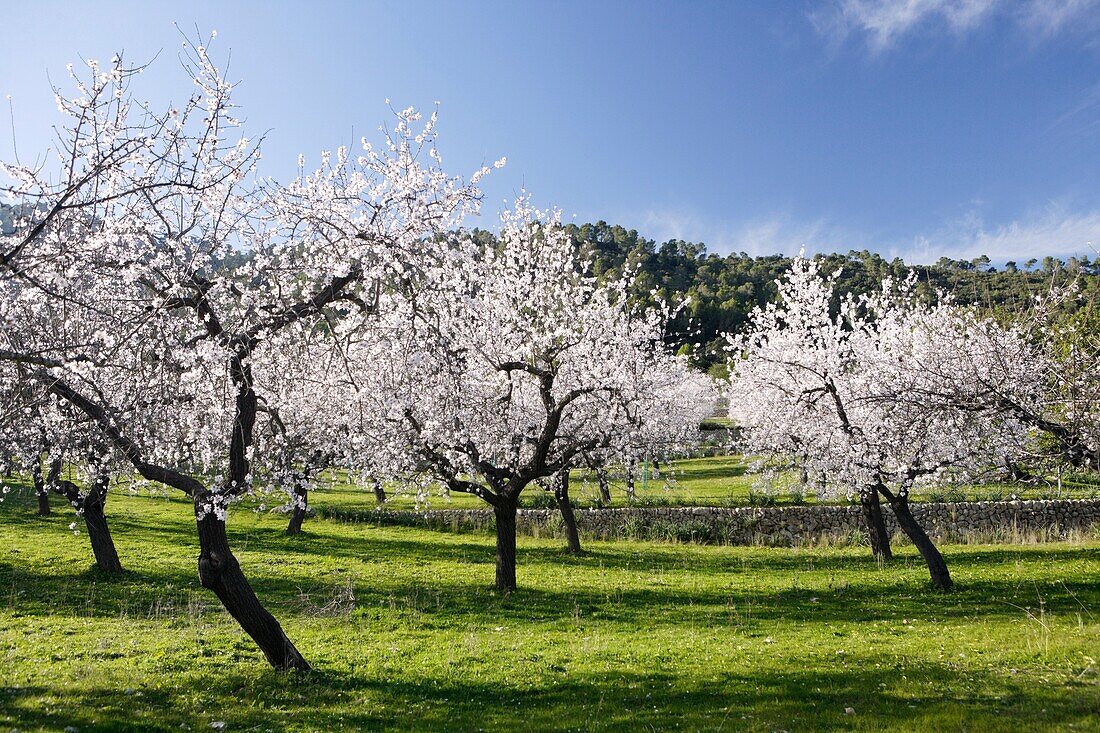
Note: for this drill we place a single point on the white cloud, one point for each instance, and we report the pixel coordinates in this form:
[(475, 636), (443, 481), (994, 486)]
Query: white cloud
[(884, 22), (779, 233), (1050, 17), (1056, 231)]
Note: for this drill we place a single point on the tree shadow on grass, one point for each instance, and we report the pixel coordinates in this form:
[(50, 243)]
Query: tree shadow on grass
[(815, 596), (884, 697), (399, 569)]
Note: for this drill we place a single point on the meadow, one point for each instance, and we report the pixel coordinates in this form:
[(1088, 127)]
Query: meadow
[(405, 633)]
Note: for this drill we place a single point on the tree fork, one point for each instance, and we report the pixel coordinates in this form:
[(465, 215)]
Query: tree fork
[(91, 507)]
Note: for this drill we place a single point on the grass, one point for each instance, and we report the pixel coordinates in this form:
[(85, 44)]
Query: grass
[(406, 634)]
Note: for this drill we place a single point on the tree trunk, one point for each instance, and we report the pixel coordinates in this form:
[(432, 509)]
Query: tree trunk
[(90, 506), (876, 525), (301, 505), (220, 572), (103, 545), (561, 493), (630, 465), (605, 487), (937, 568), (41, 492), (379, 492), (505, 512)]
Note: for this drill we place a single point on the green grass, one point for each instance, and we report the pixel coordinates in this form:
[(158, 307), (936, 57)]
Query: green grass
[(406, 634)]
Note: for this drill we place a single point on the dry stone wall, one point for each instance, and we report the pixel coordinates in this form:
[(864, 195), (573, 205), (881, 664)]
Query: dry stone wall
[(795, 525)]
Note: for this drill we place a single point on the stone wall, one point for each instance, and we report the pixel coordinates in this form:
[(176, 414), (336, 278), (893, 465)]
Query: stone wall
[(794, 525)]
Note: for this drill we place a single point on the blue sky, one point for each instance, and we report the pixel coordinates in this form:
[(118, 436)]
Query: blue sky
[(916, 128)]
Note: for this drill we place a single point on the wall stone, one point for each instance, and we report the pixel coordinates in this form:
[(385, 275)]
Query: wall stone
[(794, 525)]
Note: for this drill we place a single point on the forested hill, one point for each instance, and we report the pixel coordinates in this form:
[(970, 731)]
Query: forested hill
[(723, 289)]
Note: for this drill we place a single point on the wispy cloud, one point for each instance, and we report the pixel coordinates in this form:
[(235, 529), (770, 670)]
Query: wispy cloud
[(1080, 120), (1056, 231), (884, 22), (776, 234), (1050, 17)]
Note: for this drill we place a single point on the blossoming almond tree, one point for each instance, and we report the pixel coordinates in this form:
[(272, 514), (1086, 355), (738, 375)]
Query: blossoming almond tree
[(843, 394), (510, 369), (1041, 369), (152, 231), (667, 426), (37, 331)]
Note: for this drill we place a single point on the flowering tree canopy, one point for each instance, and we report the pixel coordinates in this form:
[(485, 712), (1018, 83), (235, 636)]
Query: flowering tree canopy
[(176, 273), (845, 392), (510, 367)]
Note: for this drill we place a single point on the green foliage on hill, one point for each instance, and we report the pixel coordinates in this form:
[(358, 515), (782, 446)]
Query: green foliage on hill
[(721, 290)]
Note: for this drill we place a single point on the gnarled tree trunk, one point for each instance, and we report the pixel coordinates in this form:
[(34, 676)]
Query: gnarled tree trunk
[(379, 492), (604, 484), (301, 506), (937, 568), (561, 493), (41, 491), (220, 572), (103, 545), (876, 524), (505, 512), (91, 507)]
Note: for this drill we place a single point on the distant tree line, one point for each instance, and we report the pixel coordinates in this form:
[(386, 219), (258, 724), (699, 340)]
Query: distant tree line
[(722, 290)]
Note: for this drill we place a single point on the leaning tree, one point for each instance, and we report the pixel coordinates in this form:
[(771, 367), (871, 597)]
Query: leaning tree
[(842, 392), (194, 267)]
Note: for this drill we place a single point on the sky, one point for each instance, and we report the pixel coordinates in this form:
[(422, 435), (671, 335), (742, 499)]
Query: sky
[(914, 128)]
